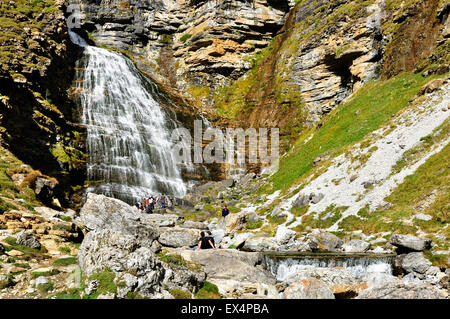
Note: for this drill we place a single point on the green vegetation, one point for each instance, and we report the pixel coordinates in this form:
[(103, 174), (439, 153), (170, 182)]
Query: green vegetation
[(199, 92), (208, 291), (44, 288), (65, 261), (105, 283), (65, 249), (324, 220), (254, 225), (177, 261), (37, 274), (5, 206), (72, 293), (180, 294), (11, 244), (165, 39), (231, 100), (185, 37)]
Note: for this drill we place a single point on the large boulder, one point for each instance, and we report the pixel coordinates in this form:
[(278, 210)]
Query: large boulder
[(329, 276), (194, 224), (340, 281), (284, 235), (327, 242), (234, 222), (162, 220), (239, 239), (230, 264), (309, 288), (101, 212), (136, 268), (260, 243), (356, 246), (301, 200), (415, 262), (26, 238), (406, 243), (179, 237), (401, 290), (378, 278)]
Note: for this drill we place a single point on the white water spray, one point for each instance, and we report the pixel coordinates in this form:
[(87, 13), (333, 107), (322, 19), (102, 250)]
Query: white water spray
[(128, 140)]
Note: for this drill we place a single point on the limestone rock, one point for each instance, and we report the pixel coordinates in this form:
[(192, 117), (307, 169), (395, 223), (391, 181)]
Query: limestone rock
[(415, 262), (230, 264), (194, 224), (41, 280), (136, 267), (284, 235), (234, 222), (101, 212), (331, 277), (27, 238), (179, 237), (300, 201), (400, 290), (424, 217), (309, 288), (409, 242), (259, 243), (327, 241), (373, 279), (356, 246), (161, 220)]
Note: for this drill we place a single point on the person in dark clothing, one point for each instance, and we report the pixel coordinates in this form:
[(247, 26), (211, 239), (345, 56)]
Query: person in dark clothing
[(225, 211), (205, 242), (162, 199), (150, 207), (210, 236)]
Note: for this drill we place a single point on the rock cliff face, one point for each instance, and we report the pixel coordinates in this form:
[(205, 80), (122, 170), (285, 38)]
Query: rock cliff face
[(37, 119), (189, 45), (271, 63)]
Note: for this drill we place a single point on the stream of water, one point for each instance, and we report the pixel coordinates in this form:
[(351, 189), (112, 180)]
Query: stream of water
[(128, 136), (283, 267)]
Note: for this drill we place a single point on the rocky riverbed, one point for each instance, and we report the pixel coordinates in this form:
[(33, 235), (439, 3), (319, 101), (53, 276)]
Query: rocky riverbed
[(128, 254)]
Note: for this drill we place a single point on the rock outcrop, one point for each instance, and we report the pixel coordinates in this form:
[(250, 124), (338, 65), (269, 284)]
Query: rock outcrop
[(309, 288), (124, 241), (399, 290), (410, 243)]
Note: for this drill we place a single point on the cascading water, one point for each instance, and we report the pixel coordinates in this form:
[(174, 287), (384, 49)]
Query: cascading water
[(283, 267), (128, 139)]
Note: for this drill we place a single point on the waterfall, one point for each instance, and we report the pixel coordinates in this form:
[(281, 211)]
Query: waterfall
[(282, 268), (128, 138)]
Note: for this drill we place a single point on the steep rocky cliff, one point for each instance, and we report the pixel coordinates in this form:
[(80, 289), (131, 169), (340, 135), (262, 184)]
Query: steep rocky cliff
[(271, 63), (38, 121), (358, 88)]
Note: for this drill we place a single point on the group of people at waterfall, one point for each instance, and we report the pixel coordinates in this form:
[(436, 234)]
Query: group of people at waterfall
[(148, 204)]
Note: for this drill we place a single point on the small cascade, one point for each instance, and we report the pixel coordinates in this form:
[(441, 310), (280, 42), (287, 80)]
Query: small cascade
[(283, 266), (128, 133)]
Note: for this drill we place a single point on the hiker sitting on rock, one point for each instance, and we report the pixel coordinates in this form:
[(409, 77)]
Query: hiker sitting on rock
[(205, 242), (210, 236)]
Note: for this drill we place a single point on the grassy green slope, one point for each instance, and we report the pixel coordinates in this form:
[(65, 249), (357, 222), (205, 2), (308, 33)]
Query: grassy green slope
[(372, 106)]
